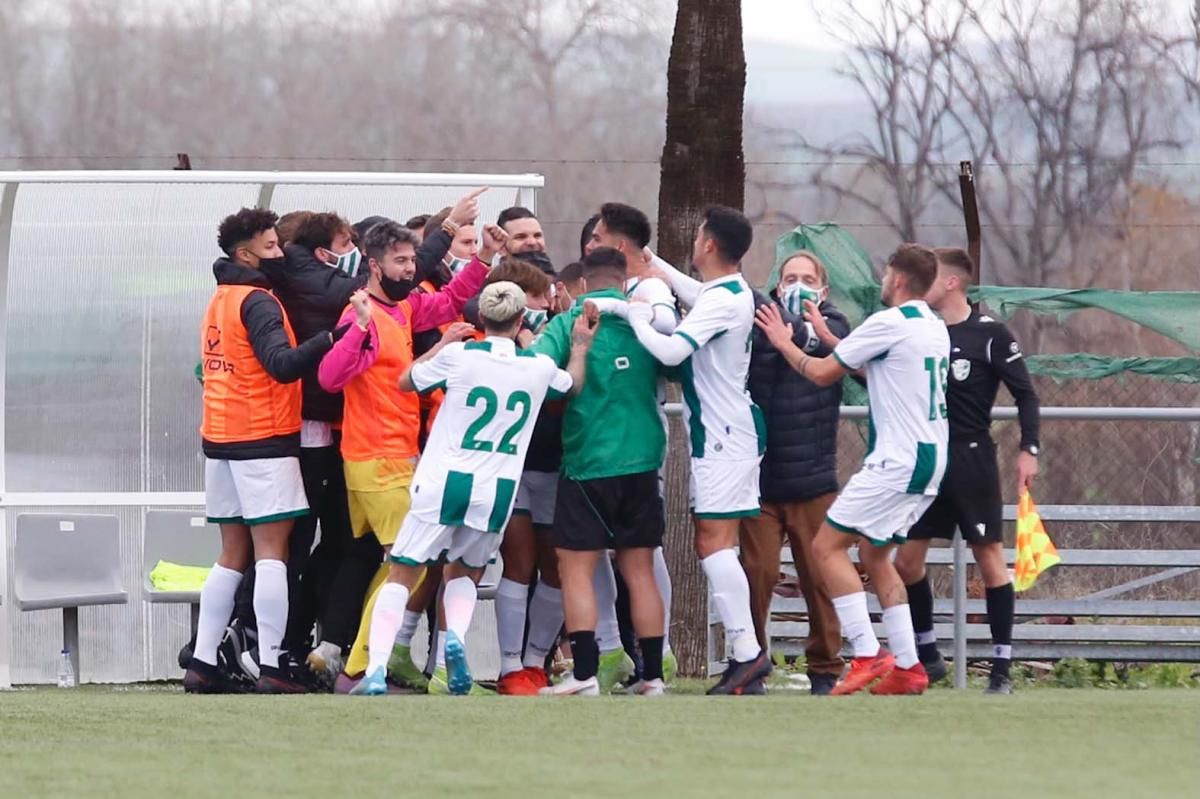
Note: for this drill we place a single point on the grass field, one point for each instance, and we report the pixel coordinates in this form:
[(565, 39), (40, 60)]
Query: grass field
[(99, 742)]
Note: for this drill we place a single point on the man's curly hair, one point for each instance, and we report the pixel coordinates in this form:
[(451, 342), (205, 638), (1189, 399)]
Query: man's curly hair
[(239, 228)]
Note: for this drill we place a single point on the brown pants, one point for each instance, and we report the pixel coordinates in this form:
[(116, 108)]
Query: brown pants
[(762, 538)]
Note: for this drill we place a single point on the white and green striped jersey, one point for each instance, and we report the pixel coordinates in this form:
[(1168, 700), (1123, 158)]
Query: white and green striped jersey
[(723, 423), (472, 463), (906, 352)]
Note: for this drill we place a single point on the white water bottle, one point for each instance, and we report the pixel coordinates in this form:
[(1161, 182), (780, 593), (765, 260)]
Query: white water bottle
[(66, 672)]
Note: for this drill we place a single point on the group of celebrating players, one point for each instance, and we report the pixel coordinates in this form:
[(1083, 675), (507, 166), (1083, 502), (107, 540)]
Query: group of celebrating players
[(435, 396)]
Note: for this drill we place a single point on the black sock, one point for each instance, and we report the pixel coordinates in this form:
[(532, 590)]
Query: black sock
[(652, 651), (920, 607), (1001, 602), (585, 652)]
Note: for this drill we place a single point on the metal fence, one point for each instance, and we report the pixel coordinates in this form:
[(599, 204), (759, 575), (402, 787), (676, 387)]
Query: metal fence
[(103, 279)]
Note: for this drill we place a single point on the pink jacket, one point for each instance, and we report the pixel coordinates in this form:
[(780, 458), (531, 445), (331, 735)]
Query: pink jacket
[(349, 358)]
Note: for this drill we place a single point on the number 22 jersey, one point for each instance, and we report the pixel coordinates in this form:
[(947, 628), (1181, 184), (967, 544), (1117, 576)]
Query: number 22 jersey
[(472, 464)]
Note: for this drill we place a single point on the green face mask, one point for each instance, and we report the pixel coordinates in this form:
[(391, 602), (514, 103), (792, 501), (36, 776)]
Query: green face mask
[(535, 318), (792, 298), (348, 261)]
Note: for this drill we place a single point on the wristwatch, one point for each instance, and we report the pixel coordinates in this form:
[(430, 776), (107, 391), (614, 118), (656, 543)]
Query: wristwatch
[(1032, 449)]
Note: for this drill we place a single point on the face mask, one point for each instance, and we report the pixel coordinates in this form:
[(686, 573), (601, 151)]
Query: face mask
[(792, 298), (535, 318), (271, 264), (396, 290), (456, 265), (347, 262)]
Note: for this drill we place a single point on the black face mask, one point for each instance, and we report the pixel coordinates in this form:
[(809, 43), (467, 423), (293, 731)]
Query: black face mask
[(396, 290), (271, 264)]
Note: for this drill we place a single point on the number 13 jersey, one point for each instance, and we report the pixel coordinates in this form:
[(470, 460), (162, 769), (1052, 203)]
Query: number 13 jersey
[(472, 463), (906, 353)]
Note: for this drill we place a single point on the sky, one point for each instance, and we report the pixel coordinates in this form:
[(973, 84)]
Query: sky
[(789, 21)]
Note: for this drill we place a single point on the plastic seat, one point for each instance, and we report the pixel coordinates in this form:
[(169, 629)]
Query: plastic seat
[(67, 561), (177, 536)]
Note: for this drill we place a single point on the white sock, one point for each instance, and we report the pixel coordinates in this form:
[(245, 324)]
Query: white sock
[(385, 623), (459, 601), (408, 628), (608, 630), (897, 623), (927, 637), (440, 659), (216, 606), (856, 624), (663, 578), (731, 594), (512, 599), (270, 609), (545, 621)]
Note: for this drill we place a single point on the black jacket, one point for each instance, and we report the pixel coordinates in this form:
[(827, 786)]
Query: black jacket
[(802, 419), (284, 363), (314, 296)]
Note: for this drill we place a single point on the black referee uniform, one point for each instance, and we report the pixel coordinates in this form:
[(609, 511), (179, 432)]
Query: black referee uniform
[(983, 354)]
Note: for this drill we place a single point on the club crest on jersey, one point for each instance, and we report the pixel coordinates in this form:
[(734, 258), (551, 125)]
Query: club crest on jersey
[(960, 368)]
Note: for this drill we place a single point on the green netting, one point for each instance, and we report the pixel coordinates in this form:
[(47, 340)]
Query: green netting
[(1174, 314), (1081, 366)]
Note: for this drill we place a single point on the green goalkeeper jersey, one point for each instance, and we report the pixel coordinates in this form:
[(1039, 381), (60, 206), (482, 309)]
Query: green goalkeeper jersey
[(612, 427)]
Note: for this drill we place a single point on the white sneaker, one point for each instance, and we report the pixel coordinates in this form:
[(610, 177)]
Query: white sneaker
[(573, 687), (648, 688), (326, 660)]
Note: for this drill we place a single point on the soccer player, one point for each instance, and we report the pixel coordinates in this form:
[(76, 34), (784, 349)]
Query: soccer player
[(466, 483), (711, 347), (983, 354), (251, 434), (627, 229), (905, 352), (381, 425), (608, 498)]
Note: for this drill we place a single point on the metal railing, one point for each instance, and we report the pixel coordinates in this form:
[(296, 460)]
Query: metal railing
[(1156, 642)]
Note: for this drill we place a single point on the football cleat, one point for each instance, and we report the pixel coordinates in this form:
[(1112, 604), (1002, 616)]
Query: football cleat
[(903, 682), (569, 686), (373, 684), (864, 671)]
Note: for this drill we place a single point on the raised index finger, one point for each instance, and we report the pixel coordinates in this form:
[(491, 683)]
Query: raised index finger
[(477, 192)]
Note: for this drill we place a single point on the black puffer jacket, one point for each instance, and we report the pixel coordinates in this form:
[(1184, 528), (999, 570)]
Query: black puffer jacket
[(802, 419), (314, 296)]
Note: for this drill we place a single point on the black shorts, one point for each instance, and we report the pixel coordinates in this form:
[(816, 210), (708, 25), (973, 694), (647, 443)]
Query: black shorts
[(623, 512), (969, 498)]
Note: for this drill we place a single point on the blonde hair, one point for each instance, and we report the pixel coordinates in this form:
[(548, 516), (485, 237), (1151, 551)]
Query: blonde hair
[(501, 303)]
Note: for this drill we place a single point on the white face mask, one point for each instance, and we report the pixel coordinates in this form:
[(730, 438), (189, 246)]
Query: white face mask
[(347, 262), (456, 265), (792, 298), (535, 318)]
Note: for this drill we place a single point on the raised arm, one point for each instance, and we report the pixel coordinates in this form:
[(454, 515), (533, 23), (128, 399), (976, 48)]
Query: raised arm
[(434, 310), (822, 371), (355, 351), (685, 287)]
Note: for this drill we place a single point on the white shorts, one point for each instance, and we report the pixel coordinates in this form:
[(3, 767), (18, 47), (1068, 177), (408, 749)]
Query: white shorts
[(422, 542), (881, 514), (724, 489), (253, 492), (536, 496)]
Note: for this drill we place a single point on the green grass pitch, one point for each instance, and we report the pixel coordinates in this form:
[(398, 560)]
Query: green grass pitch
[(104, 742)]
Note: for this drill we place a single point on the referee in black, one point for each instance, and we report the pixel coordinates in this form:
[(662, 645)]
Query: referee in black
[(983, 354)]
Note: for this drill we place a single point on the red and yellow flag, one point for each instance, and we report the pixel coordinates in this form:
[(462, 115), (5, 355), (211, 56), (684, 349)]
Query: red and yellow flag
[(1035, 550)]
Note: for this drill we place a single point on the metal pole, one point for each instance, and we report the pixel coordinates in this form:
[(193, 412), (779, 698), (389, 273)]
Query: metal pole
[(960, 611)]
